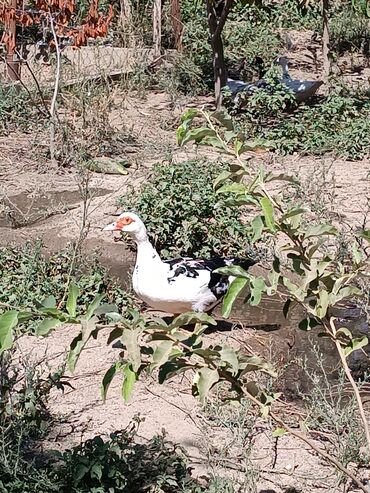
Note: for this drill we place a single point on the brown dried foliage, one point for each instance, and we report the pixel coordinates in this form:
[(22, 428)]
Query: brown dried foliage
[(94, 25)]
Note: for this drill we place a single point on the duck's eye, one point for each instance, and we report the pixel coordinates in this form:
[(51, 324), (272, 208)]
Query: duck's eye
[(125, 221)]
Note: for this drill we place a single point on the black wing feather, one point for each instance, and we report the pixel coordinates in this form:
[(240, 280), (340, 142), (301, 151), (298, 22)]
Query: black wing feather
[(218, 283)]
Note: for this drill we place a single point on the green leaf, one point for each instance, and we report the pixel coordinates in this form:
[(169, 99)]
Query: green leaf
[(323, 303), (161, 354), (257, 228), (107, 379), (130, 340), (47, 325), (308, 323), (24, 316), (222, 177), (88, 329), (357, 254), (228, 355), (268, 212), (96, 471), (237, 188), (234, 290), (279, 432), (204, 380), (49, 302), (224, 118), (128, 384), (52, 311), (346, 332), (172, 368), (281, 177), (196, 134), (292, 213), (8, 321), (192, 318), (73, 294), (359, 342), (365, 234), (255, 363), (257, 287), (321, 229), (107, 308), (93, 306), (233, 270)]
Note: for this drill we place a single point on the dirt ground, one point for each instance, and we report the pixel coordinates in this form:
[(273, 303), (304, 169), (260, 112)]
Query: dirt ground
[(45, 202)]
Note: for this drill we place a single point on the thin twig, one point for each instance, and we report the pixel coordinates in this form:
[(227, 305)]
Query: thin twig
[(26, 89), (352, 382), (55, 94), (39, 90)]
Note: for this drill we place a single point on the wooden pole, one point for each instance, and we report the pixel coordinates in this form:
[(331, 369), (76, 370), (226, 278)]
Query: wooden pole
[(12, 61), (157, 27), (177, 25), (325, 38)]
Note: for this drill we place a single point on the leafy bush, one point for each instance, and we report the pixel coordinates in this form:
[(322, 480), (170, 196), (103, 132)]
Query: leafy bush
[(17, 109), (339, 124), (27, 276), (264, 105), (182, 213), (332, 409), (24, 419), (121, 464)]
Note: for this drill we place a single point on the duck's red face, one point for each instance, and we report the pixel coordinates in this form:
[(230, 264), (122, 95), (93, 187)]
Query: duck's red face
[(120, 224)]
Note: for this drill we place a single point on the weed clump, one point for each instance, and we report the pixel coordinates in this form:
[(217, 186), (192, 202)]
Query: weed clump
[(28, 277), (338, 124), (183, 213)]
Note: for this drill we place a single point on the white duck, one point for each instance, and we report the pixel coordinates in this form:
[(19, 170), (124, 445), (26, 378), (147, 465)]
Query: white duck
[(174, 286)]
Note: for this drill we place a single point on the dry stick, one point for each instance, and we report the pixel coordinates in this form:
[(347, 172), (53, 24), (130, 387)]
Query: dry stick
[(55, 95), (353, 384), (25, 61), (240, 388), (25, 88), (319, 451), (297, 434)]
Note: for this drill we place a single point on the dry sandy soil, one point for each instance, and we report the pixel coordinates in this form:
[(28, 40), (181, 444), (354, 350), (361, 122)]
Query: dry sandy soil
[(48, 202)]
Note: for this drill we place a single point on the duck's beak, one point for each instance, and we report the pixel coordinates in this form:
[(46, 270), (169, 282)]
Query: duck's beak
[(112, 227)]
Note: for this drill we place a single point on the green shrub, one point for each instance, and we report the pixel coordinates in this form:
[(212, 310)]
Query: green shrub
[(24, 419), (338, 124), (18, 109), (27, 276), (184, 215), (123, 464)]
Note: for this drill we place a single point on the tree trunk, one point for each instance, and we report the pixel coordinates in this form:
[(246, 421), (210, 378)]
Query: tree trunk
[(219, 68), (157, 27), (177, 25), (325, 38), (126, 12), (216, 24), (13, 66)]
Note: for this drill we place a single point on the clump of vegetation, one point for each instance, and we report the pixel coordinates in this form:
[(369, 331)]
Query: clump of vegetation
[(339, 124), (183, 214), (120, 464), (27, 276), (24, 419), (123, 464), (19, 109), (331, 408)]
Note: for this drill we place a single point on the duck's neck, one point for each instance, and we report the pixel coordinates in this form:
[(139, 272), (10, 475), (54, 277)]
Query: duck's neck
[(146, 253)]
